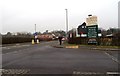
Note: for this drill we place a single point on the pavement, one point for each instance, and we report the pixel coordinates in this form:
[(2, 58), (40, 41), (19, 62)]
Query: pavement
[(93, 47)]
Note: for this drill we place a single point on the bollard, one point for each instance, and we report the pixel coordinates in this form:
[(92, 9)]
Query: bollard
[(33, 41), (38, 41)]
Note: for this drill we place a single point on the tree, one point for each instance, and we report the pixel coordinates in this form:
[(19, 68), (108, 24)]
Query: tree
[(39, 33), (112, 31), (103, 32), (57, 33), (9, 34)]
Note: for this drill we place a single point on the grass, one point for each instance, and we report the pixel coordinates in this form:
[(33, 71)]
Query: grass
[(108, 47)]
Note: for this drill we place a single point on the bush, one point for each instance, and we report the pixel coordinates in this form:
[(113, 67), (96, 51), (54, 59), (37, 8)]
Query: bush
[(107, 41)]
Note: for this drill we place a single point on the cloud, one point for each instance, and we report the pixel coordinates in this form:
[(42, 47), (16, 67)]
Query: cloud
[(50, 14)]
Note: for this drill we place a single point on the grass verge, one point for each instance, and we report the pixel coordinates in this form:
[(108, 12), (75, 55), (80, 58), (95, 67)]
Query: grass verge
[(97, 46)]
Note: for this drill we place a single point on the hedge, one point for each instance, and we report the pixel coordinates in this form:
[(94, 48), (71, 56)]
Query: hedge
[(10, 40), (113, 41)]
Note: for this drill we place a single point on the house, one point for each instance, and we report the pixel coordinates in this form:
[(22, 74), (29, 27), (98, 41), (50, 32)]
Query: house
[(45, 37), (82, 30)]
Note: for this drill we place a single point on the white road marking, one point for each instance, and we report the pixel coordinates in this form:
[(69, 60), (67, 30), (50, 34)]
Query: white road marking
[(112, 57), (17, 44), (14, 71), (8, 53), (5, 48), (8, 48), (13, 46), (20, 45), (15, 61), (113, 73), (94, 73), (87, 73), (15, 51), (25, 45)]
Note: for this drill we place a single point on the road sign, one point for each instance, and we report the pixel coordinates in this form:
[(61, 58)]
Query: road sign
[(92, 31), (35, 34), (91, 20), (92, 34)]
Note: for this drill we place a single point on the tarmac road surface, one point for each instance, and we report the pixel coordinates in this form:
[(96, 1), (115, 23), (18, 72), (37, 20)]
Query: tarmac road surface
[(43, 58)]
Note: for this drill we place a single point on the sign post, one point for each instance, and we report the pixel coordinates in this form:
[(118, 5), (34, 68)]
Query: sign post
[(35, 37), (92, 29), (92, 34)]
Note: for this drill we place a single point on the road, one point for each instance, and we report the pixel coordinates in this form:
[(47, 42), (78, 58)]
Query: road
[(43, 58)]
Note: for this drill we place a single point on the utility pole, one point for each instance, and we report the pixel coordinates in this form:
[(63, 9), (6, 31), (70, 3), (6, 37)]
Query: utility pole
[(66, 21), (35, 28)]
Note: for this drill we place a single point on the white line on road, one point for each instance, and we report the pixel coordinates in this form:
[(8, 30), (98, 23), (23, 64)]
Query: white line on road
[(14, 71), (8, 53), (86, 73), (25, 45), (112, 57), (113, 73), (8, 48), (20, 45), (94, 73), (5, 48), (15, 46), (15, 61)]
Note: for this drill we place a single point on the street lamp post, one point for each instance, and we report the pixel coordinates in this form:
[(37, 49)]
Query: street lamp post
[(34, 40), (35, 34), (66, 21), (35, 28)]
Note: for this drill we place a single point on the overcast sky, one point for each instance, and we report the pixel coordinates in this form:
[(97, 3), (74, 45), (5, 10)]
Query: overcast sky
[(22, 15)]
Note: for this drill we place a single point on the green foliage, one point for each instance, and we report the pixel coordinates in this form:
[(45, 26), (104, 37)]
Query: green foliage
[(59, 32), (104, 41), (77, 40)]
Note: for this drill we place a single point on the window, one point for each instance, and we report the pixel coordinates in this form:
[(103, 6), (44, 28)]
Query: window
[(83, 27)]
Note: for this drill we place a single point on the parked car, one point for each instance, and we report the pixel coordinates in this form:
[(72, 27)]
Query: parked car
[(92, 41)]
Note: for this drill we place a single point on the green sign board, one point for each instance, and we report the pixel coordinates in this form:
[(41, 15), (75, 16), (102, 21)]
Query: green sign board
[(92, 31)]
